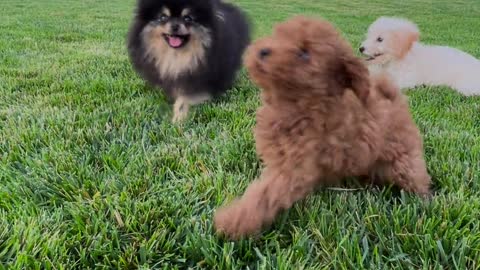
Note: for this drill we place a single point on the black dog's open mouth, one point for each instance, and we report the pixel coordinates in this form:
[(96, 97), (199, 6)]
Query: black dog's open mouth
[(176, 41), (370, 57)]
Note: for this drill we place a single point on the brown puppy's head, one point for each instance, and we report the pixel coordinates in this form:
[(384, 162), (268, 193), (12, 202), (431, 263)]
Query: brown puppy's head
[(306, 57)]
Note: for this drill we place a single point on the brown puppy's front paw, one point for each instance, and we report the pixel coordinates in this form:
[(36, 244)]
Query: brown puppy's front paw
[(237, 221), (426, 195), (423, 188)]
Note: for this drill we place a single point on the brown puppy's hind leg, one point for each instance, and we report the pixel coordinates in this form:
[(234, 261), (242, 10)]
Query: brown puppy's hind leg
[(261, 203)]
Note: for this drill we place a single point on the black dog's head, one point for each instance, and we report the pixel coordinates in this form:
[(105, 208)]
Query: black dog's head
[(172, 35), (178, 22)]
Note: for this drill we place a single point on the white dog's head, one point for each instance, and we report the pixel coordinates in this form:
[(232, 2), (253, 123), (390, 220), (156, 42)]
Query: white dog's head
[(389, 39)]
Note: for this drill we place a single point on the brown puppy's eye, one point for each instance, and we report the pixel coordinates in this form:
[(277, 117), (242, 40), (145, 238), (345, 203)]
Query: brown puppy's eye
[(303, 54), (379, 39)]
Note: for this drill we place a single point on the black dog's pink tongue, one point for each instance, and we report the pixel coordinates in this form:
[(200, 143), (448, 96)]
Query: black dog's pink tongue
[(175, 42)]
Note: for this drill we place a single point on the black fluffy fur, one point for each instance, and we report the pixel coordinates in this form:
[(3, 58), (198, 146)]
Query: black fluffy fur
[(216, 74)]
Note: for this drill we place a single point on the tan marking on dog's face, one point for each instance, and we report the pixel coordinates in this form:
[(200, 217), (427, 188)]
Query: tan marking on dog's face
[(166, 11), (167, 26), (170, 62), (167, 29), (186, 12)]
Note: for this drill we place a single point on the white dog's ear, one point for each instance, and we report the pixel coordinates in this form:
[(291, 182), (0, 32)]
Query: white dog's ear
[(404, 41)]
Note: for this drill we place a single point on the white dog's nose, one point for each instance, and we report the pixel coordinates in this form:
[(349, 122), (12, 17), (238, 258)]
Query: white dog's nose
[(361, 49)]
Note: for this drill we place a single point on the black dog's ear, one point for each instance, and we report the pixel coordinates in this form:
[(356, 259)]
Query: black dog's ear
[(354, 75), (212, 3), (146, 10)]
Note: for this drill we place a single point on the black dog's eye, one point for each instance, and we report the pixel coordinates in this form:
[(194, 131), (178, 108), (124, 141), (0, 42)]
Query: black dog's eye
[(303, 54), (379, 39), (163, 18), (188, 19)]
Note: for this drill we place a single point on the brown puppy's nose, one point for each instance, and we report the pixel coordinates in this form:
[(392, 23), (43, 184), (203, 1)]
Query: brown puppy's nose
[(362, 49), (263, 53)]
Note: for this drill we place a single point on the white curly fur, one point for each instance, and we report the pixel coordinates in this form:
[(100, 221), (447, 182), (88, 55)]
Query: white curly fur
[(411, 63)]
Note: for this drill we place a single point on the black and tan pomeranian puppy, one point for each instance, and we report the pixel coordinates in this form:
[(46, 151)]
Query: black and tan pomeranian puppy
[(192, 49)]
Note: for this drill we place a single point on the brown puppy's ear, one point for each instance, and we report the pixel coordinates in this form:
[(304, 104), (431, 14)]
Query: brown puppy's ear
[(354, 75), (404, 41)]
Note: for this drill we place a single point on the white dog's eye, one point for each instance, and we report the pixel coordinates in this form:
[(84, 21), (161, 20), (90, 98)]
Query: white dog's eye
[(379, 39)]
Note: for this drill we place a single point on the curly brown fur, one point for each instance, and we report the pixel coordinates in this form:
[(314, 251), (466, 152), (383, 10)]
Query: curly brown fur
[(322, 119)]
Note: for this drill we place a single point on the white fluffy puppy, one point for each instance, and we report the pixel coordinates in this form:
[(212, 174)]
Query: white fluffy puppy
[(392, 45)]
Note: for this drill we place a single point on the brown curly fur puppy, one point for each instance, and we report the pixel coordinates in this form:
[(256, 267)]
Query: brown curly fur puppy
[(322, 119)]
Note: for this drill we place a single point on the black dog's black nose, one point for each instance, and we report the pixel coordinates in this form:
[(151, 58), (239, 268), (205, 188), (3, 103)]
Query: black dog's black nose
[(362, 49), (264, 53), (175, 27)]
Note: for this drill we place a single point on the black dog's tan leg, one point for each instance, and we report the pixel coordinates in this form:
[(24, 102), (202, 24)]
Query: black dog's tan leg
[(184, 102), (261, 203)]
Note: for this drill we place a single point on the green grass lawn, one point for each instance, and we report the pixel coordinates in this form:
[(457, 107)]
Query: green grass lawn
[(94, 175)]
